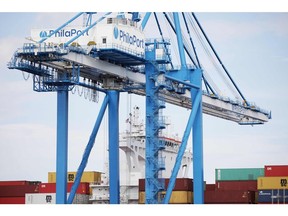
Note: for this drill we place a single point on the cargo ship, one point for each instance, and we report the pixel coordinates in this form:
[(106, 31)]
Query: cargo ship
[(132, 160)]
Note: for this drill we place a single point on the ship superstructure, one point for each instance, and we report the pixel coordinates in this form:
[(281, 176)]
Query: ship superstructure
[(132, 160)]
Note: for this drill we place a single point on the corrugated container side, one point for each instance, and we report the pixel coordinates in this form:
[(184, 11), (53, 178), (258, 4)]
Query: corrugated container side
[(83, 188), (89, 176), (276, 170), (210, 187), (177, 197), (238, 174), (237, 185), (50, 198), (229, 197), (181, 184), (18, 190), (273, 196), (24, 182), (7, 183), (269, 183), (12, 200)]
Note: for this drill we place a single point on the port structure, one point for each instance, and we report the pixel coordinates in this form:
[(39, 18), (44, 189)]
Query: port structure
[(115, 68)]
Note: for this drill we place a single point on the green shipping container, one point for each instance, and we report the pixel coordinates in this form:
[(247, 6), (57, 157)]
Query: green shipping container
[(238, 174)]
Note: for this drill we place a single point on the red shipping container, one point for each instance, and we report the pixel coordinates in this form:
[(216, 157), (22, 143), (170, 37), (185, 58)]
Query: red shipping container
[(210, 187), (12, 200), (18, 190), (181, 184), (83, 188), (7, 183), (229, 197), (276, 170), (250, 185)]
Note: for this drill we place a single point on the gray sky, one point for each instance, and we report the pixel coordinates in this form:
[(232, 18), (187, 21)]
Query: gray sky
[(253, 46)]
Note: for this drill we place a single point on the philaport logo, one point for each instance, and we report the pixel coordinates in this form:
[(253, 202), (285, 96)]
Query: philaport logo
[(116, 32), (129, 38), (43, 34), (63, 33)]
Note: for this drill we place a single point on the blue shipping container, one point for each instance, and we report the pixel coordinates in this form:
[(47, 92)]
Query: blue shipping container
[(273, 196)]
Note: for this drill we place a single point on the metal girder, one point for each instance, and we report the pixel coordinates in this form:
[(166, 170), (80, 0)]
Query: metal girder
[(93, 68)]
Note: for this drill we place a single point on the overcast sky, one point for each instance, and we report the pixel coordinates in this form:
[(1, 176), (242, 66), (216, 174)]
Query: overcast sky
[(253, 46)]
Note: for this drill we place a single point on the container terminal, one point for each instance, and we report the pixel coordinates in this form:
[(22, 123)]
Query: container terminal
[(111, 53)]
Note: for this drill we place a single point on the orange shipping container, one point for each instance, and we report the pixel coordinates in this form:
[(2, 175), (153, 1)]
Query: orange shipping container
[(269, 183), (91, 177)]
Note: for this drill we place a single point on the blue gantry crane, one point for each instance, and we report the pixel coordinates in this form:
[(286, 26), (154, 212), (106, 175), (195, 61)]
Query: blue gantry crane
[(112, 55)]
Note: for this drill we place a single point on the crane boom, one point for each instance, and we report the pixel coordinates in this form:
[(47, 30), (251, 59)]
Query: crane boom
[(92, 68)]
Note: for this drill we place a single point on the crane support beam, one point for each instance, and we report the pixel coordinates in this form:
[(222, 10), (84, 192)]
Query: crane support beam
[(179, 40), (88, 150), (86, 29), (62, 146), (212, 104), (182, 148), (113, 118), (102, 67), (197, 142), (145, 20)]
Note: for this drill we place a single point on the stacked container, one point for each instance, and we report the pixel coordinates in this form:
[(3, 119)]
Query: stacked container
[(181, 194), (83, 188), (13, 192), (273, 187), (90, 177), (235, 186), (50, 198)]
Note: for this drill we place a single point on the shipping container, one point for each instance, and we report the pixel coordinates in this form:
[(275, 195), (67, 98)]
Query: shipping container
[(273, 196), (50, 198), (210, 187), (269, 183), (229, 197), (91, 177), (24, 182), (12, 200), (276, 170), (83, 188), (181, 184), (18, 190), (238, 174), (177, 197), (237, 185)]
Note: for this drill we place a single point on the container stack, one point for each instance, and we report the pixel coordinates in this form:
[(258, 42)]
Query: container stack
[(47, 191), (273, 187), (90, 177), (234, 186), (47, 194), (181, 194), (13, 192)]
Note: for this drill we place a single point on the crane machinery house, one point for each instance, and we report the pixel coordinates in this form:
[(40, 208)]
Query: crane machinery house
[(120, 34)]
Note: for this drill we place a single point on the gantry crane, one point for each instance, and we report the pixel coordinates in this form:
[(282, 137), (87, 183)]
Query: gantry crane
[(124, 60)]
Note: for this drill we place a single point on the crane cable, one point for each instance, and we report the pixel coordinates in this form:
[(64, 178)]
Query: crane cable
[(170, 33), (189, 49), (211, 58)]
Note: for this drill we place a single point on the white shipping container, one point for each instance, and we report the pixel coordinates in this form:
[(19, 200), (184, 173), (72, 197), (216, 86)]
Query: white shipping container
[(50, 198)]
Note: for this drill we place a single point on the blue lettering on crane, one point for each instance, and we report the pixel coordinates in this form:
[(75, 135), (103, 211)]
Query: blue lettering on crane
[(63, 33), (130, 39)]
